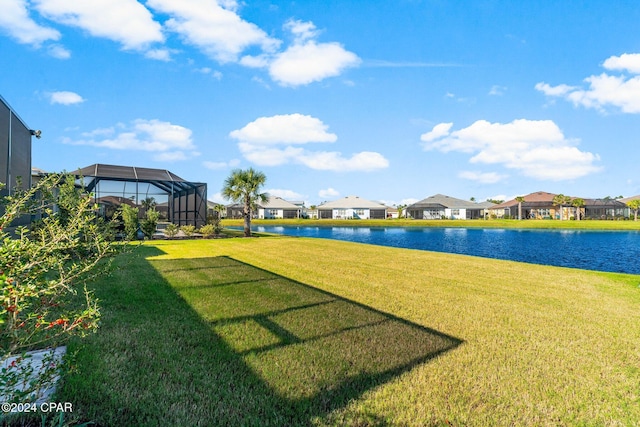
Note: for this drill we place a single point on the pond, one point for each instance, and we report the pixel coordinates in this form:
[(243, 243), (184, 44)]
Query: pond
[(614, 251)]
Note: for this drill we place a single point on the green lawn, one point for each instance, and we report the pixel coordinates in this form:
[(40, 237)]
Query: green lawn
[(475, 223), (294, 331)]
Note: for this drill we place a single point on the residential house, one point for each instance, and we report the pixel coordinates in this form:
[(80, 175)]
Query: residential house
[(440, 206), (352, 207), (540, 205), (276, 207), (392, 212), (234, 211)]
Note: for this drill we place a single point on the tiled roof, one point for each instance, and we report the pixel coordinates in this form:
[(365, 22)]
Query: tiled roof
[(537, 197)]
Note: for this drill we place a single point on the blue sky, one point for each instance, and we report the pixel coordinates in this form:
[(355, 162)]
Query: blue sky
[(388, 100)]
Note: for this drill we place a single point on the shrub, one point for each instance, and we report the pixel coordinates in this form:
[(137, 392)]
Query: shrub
[(41, 271), (130, 218), (207, 230), (171, 230), (188, 230), (150, 223)]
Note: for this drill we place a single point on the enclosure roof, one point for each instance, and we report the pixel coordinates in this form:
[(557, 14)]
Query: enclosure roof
[(129, 173), (4, 101)]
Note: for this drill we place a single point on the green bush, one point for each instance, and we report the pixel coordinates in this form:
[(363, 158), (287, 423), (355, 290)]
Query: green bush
[(188, 230), (150, 223), (171, 230), (207, 230), (42, 270), (130, 218)]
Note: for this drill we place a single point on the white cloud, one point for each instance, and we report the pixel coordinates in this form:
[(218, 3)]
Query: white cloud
[(537, 149), (438, 131), (272, 141), (214, 28), (127, 22), (16, 22), (221, 165), (289, 195), (482, 177), (284, 129), (328, 193), (300, 30), (169, 142), (65, 98), (308, 62), (305, 61), (626, 61), (604, 90)]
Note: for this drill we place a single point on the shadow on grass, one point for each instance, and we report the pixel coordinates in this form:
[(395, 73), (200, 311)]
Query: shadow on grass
[(180, 346)]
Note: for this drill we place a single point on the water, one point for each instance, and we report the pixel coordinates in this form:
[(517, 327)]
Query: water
[(615, 251)]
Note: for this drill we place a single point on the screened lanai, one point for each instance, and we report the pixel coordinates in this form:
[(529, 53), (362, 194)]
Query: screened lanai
[(177, 200)]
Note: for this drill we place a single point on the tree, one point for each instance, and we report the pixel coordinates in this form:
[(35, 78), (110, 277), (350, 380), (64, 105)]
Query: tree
[(495, 201), (561, 200), (401, 209), (520, 199), (635, 205), (149, 203), (577, 203), (243, 186)]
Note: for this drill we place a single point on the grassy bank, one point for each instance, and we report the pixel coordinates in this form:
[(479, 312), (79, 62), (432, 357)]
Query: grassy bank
[(493, 223), (292, 331)]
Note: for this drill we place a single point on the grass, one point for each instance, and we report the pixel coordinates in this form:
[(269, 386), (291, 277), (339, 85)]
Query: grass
[(474, 223), (294, 331)]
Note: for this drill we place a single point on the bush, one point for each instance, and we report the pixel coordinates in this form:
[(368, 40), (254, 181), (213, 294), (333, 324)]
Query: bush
[(171, 230), (207, 230), (42, 270), (130, 218), (150, 223), (188, 230)]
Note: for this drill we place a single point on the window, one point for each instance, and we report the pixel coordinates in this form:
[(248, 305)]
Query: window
[(455, 211), (358, 212), (273, 212)]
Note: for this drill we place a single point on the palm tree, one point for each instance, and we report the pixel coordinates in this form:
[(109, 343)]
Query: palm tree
[(520, 199), (243, 186), (577, 203), (148, 203), (635, 205), (561, 200)]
